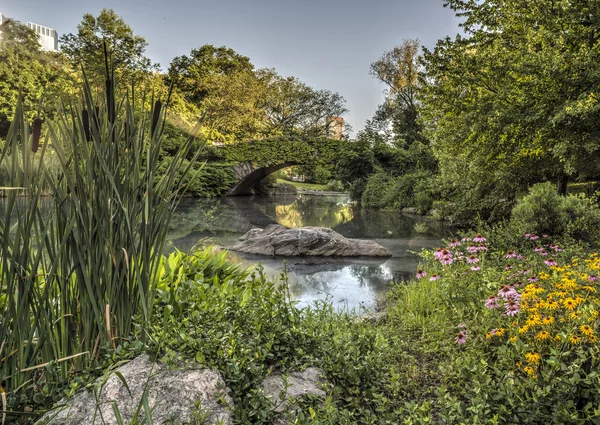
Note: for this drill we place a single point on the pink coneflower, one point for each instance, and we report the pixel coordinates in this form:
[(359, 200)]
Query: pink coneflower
[(492, 302), (527, 235), (544, 236), (461, 337), (511, 310), (558, 249), (550, 262), (510, 254), (534, 237), (475, 268), (434, 277), (481, 247), (538, 249), (524, 271), (520, 257), (533, 279), (421, 274), (465, 239), (507, 267), (446, 260), (472, 248), (592, 278), (454, 243), (506, 292), (479, 238), (472, 259), (543, 253), (438, 253)]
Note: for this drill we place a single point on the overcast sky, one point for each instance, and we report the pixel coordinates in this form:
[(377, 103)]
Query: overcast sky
[(328, 44)]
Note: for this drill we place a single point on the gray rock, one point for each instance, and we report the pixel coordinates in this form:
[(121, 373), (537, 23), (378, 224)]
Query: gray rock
[(172, 394), (299, 384), (306, 241)]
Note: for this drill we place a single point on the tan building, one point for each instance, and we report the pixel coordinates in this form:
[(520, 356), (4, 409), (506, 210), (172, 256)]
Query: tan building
[(335, 127)]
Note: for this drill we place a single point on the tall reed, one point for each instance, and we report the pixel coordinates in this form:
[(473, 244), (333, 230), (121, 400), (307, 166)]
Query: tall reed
[(72, 280)]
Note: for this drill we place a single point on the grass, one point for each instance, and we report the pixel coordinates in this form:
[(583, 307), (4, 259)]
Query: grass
[(302, 185)]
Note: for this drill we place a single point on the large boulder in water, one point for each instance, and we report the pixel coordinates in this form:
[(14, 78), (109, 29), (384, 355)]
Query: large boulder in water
[(173, 395), (306, 241)]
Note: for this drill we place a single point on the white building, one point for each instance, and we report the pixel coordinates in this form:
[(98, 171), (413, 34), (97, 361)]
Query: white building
[(47, 36)]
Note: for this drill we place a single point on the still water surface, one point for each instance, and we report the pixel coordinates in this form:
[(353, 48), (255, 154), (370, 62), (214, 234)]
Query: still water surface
[(347, 283)]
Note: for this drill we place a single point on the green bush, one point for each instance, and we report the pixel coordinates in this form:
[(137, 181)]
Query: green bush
[(543, 211), (376, 192), (206, 180)]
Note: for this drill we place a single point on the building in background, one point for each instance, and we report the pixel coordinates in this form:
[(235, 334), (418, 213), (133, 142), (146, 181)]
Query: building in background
[(335, 127), (48, 37)]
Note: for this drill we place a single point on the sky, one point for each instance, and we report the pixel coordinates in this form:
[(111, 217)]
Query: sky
[(328, 44)]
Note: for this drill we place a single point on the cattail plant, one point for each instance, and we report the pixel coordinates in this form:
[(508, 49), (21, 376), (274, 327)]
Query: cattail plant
[(73, 281)]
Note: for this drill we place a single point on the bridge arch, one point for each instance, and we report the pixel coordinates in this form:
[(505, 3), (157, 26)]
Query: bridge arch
[(249, 176)]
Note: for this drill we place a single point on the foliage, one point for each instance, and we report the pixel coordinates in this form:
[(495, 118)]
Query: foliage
[(124, 48), (512, 101), (72, 280), (384, 191), (543, 211), (26, 70)]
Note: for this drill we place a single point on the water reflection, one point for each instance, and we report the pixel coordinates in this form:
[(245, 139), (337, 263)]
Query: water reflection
[(348, 283)]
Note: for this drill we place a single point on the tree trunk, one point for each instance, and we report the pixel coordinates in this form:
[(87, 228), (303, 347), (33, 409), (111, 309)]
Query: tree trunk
[(561, 187)]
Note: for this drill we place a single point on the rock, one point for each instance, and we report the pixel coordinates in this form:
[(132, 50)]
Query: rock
[(172, 394), (306, 241), (299, 384)]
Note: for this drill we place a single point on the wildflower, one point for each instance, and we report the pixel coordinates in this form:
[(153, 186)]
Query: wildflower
[(569, 303), (534, 237), (446, 260), (472, 248), (533, 358), (507, 267), (586, 330), (538, 249), (506, 292), (574, 339), (523, 329), (592, 278), (421, 274), (529, 371), (434, 277), (513, 339), (481, 247), (532, 279), (550, 262), (527, 235), (510, 254), (475, 268), (438, 253), (548, 320), (558, 249), (472, 259), (478, 238), (520, 257), (511, 310), (465, 239), (543, 253), (542, 336), (461, 337), (492, 302), (588, 288), (499, 331), (489, 335), (454, 243), (544, 236)]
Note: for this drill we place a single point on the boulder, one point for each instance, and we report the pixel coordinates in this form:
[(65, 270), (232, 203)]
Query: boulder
[(173, 395), (295, 386), (306, 241)]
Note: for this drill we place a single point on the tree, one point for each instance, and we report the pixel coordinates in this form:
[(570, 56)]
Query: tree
[(125, 49), (294, 108), (514, 100), (26, 70), (399, 70)]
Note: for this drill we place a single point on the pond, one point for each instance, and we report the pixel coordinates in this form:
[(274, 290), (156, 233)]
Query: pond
[(350, 283)]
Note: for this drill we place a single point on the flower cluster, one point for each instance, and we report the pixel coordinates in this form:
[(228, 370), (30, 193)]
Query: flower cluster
[(554, 309), (452, 255)]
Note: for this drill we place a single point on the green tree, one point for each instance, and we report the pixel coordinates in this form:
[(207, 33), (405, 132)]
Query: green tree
[(514, 100), (126, 50), (26, 70)]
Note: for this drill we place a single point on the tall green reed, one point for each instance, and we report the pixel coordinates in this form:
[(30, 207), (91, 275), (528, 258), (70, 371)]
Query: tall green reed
[(72, 281)]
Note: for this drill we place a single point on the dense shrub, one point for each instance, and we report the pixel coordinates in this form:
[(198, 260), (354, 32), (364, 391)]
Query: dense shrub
[(377, 189), (385, 191), (543, 211), (206, 180)]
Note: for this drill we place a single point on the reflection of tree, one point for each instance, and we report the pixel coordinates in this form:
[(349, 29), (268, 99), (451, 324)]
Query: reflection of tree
[(377, 278), (313, 211)]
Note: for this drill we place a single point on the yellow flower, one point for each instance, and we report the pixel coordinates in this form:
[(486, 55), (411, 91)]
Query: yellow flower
[(533, 320), (575, 339), (543, 276), (523, 329), (547, 320), (543, 335), (586, 330), (500, 332), (513, 339), (592, 338), (533, 358), (557, 338), (569, 303), (529, 371), (588, 288)]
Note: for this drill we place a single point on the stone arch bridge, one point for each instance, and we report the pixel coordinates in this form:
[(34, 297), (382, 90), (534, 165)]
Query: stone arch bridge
[(255, 160)]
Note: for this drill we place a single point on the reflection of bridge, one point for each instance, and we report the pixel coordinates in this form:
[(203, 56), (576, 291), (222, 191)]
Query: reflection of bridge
[(255, 160)]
